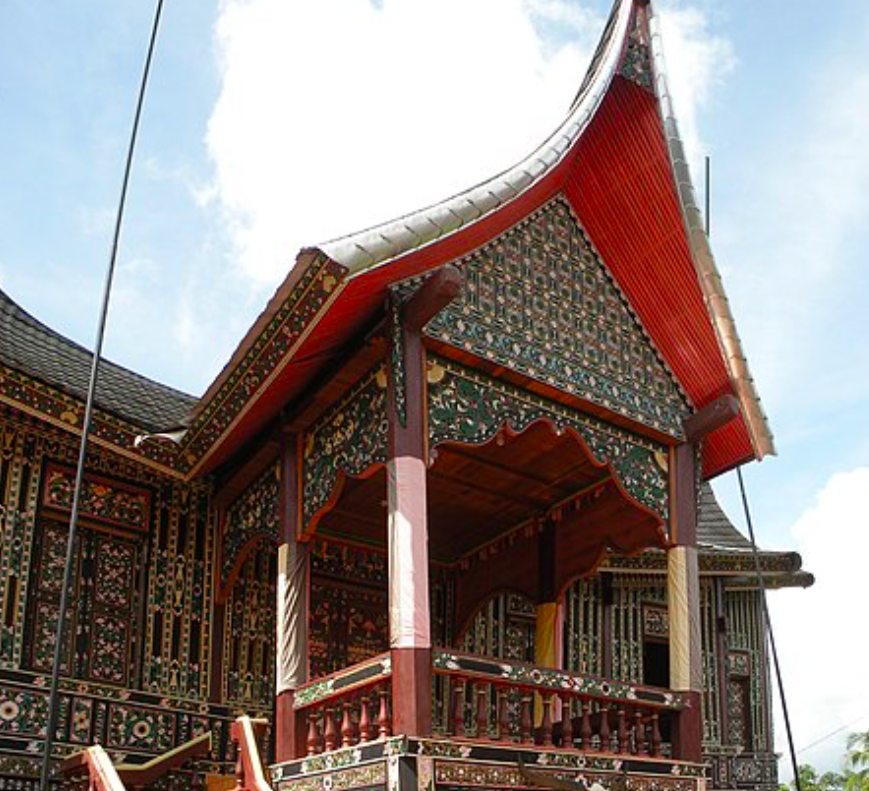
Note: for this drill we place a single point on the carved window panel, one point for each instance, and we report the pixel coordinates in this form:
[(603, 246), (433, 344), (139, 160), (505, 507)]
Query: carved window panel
[(101, 622), (740, 731)]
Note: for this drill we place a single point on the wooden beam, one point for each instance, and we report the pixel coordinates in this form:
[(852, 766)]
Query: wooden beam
[(494, 465), (714, 415), (469, 484), (432, 297), (246, 466)]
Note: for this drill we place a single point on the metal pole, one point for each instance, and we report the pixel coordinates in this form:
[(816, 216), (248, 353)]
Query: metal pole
[(53, 708)]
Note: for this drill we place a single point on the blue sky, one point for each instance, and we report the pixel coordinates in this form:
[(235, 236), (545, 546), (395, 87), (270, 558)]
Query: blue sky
[(271, 125)]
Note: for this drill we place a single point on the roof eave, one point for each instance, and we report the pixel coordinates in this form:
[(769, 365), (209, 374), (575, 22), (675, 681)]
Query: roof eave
[(708, 276), (363, 251)]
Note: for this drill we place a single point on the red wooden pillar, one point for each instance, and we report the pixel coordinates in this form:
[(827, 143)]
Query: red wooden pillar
[(683, 575), (409, 619), (292, 612), (683, 603)]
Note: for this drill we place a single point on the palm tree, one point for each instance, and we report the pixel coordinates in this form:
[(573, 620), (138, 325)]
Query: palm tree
[(857, 762)]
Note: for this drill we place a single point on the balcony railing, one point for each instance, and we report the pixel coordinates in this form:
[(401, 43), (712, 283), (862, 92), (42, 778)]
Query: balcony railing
[(483, 699), (346, 708), (513, 702)]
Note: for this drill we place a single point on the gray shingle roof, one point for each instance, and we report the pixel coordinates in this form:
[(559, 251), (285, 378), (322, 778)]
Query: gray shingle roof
[(714, 528), (27, 345)]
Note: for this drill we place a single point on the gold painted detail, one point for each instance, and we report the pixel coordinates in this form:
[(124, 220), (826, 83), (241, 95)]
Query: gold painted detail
[(338, 780)]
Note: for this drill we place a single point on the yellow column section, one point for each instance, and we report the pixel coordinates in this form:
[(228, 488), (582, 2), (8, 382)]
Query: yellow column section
[(547, 647)]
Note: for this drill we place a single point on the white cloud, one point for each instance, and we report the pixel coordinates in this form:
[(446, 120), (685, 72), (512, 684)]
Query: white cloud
[(821, 632), (340, 114), (336, 115), (698, 63)]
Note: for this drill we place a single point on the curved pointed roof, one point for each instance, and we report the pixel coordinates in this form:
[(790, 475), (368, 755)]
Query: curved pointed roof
[(618, 159)]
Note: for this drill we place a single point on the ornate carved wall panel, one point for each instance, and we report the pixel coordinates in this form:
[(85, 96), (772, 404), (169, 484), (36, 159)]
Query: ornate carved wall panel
[(748, 694), (540, 301), (467, 406), (503, 628), (249, 642), (180, 582), (141, 610), (350, 438), (103, 625), (254, 515), (583, 627), (349, 619)]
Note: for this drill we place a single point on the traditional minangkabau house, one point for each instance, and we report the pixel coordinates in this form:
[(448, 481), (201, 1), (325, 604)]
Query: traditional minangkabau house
[(442, 522)]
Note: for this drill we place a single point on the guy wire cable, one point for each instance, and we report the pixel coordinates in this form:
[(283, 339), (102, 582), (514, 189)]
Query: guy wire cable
[(53, 707), (768, 627), (767, 623)]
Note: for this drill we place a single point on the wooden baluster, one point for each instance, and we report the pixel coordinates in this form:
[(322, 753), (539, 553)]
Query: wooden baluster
[(313, 742), (546, 724), (525, 719), (585, 732), (656, 735), (482, 718), (348, 732), (239, 773), (566, 722), (606, 739), (384, 723), (639, 733), (624, 742), (503, 715), (365, 730), (330, 732), (458, 707)]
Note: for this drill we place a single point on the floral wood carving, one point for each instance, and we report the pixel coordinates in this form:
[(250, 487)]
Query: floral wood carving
[(100, 500), (253, 515), (469, 407), (349, 439), (540, 301)]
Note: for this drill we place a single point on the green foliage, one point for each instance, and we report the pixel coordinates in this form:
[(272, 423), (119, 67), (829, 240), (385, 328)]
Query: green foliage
[(854, 777), (857, 762)]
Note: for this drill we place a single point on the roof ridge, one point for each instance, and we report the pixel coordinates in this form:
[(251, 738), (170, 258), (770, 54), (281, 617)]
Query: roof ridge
[(17, 313), (32, 347)]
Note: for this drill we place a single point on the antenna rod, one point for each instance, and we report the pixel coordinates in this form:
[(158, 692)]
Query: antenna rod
[(53, 707), (767, 624), (706, 196)]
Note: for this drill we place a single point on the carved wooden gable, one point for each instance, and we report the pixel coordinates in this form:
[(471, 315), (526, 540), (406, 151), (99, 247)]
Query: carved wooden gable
[(540, 301)]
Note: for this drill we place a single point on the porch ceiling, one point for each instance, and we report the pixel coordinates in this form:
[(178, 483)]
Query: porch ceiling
[(476, 493)]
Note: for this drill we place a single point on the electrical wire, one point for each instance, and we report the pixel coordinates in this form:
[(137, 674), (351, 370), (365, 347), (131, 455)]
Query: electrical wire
[(833, 733), (53, 708)]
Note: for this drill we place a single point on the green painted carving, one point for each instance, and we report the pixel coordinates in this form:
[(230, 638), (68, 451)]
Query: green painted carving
[(637, 61), (253, 514), (100, 500), (349, 438), (399, 380), (548, 678), (467, 406), (540, 301), (362, 674)]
